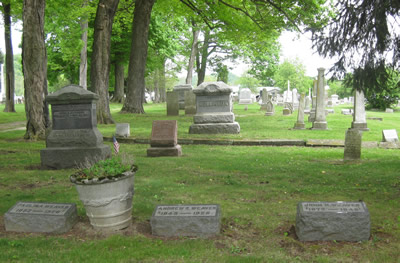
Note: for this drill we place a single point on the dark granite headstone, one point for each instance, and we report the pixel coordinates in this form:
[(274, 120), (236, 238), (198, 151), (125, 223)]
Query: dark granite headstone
[(40, 217), (186, 220), (74, 138), (341, 221)]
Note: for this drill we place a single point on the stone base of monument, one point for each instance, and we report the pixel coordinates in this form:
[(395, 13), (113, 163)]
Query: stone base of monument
[(215, 128), (164, 151), (311, 117), (286, 111), (299, 126), (71, 157), (340, 221), (319, 125), (186, 220), (269, 113), (245, 101), (214, 118), (40, 217), (362, 126)]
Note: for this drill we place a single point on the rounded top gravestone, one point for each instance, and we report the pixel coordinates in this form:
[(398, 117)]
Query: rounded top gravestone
[(72, 94), (212, 88)]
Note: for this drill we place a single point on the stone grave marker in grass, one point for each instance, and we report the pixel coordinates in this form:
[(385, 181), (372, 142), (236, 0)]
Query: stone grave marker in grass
[(339, 221), (122, 130), (352, 145), (181, 89), (40, 217), (172, 103), (186, 220), (164, 139)]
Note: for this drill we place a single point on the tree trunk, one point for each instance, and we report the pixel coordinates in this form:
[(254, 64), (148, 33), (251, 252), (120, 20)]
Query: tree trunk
[(119, 82), (34, 60), (100, 66), (156, 86), (192, 56), (10, 80), (137, 59), (83, 64), (163, 94), (201, 73)]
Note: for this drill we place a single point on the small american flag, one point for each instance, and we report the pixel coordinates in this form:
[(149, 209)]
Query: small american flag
[(116, 145)]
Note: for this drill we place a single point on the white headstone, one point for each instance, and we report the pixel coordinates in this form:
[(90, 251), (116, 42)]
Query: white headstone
[(245, 96), (390, 136)]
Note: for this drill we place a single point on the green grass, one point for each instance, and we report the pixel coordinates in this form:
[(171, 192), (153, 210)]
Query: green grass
[(258, 189)]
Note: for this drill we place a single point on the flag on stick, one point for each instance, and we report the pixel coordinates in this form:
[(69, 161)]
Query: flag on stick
[(116, 145)]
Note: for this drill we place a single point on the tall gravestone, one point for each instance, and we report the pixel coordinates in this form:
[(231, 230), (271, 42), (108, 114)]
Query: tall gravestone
[(172, 103), (264, 99), (181, 89), (299, 125), (352, 145), (269, 107), (311, 117), (295, 100), (214, 110), (74, 138), (320, 118), (359, 117), (190, 103)]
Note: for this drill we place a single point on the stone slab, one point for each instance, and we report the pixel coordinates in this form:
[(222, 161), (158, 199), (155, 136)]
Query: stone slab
[(73, 116), (80, 138), (299, 126), (190, 103), (362, 126), (122, 130), (164, 133), (352, 145), (186, 220), (215, 128), (389, 110), (390, 136), (41, 217), (340, 221), (226, 117), (319, 125), (375, 118), (286, 112), (172, 104), (71, 157), (245, 101), (389, 145), (164, 151)]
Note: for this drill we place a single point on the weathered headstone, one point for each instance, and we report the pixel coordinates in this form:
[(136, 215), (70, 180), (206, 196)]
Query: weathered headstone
[(181, 89), (307, 103), (287, 109), (122, 130), (299, 125), (214, 110), (164, 139), (329, 111), (186, 220), (389, 110), (320, 119), (270, 109), (190, 103), (340, 221), (352, 145), (40, 217), (359, 117), (172, 103), (295, 100), (311, 117), (74, 138), (245, 96), (390, 136), (347, 112), (264, 99)]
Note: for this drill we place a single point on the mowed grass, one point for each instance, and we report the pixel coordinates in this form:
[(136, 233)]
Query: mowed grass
[(258, 189)]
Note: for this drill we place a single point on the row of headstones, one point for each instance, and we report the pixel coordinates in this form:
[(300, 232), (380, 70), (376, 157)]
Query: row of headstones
[(315, 221)]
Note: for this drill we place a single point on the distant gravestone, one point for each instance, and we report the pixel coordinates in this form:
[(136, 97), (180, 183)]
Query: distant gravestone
[(186, 220), (388, 110), (352, 145), (319, 122), (340, 221), (264, 99), (269, 109), (390, 136), (214, 110), (172, 103), (190, 103), (359, 116), (74, 138), (122, 130), (181, 89), (288, 109), (346, 111), (40, 217), (164, 139), (299, 125), (245, 96)]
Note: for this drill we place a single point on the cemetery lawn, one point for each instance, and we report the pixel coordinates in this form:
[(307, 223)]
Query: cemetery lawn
[(258, 189)]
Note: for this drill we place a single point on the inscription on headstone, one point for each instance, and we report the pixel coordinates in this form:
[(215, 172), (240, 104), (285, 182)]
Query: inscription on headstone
[(40, 217), (341, 221), (186, 220)]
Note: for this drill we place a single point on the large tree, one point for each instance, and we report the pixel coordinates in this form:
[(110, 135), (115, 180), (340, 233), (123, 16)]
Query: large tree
[(35, 69), (365, 38), (100, 64), (10, 78), (138, 57)]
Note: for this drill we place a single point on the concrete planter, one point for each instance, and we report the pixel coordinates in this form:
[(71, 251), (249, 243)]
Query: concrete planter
[(108, 203)]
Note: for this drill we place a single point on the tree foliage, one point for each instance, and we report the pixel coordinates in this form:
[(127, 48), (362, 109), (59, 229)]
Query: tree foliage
[(365, 38), (294, 71)]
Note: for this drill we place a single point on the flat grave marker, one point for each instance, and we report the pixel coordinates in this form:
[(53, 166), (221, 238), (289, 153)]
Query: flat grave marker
[(186, 220), (390, 135), (41, 217)]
